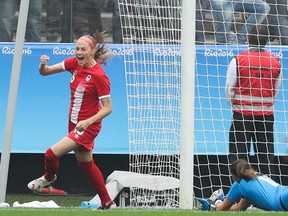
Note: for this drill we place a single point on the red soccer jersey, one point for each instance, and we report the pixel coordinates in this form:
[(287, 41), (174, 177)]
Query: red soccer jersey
[(88, 86)]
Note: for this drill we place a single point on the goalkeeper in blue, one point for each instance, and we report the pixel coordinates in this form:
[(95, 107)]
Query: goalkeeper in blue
[(249, 188)]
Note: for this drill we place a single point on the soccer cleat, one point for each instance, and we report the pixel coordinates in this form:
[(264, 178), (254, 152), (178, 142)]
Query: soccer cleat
[(216, 195), (50, 191), (41, 182), (108, 205), (203, 204)]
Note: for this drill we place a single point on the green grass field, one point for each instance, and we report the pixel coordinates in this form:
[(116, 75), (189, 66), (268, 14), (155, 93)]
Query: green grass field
[(70, 205), (122, 212)]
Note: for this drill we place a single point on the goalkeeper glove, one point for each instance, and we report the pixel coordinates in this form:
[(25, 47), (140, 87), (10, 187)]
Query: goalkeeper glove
[(210, 203), (203, 204)]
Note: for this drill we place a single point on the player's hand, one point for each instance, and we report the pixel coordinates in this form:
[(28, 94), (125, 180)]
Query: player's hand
[(44, 59), (203, 204), (82, 125)]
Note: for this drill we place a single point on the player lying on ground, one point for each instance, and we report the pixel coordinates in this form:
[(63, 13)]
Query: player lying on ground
[(249, 188)]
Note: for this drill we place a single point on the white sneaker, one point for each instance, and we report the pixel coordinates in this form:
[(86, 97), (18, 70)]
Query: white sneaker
[(40, 183)]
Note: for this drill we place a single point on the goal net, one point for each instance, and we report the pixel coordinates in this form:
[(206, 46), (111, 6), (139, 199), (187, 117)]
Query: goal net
[(151, 32)]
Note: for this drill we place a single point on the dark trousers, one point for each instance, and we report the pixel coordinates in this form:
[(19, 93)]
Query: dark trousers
[(258, 130)]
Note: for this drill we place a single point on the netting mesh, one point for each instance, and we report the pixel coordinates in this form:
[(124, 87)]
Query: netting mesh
[(152, 31)]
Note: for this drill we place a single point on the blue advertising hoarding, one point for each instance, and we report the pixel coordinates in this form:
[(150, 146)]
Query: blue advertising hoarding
[(43, 102), (41, 117)]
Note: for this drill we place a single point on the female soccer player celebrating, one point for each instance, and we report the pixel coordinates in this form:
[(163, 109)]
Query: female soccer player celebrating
[(89, 103)]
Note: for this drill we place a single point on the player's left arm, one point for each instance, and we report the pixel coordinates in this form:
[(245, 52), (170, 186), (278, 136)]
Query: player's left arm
[(103, 112)]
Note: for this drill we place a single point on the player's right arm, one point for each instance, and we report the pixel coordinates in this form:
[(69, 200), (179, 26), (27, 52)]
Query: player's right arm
[(241, 206), (47, 70), (228, 205), (231, 80), (224, 206)]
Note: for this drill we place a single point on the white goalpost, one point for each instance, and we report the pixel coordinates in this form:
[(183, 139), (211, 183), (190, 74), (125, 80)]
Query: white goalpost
[(153, 68), (12, 98), (179, 120)]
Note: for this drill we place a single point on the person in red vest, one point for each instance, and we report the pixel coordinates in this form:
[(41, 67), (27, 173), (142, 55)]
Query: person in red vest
[(252, 83)]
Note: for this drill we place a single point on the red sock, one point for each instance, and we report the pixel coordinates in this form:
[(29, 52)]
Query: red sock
[(51, 164), (95, 177)]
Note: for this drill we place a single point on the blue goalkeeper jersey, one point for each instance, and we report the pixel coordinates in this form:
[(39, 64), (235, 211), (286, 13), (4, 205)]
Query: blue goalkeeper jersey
[(262, 192)]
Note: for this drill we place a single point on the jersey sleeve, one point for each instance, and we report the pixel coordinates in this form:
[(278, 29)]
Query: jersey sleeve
[(69, 64), (103, 87), (234, 194)]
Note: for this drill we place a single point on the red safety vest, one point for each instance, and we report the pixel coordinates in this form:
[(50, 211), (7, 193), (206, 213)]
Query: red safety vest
[(257, 72)]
